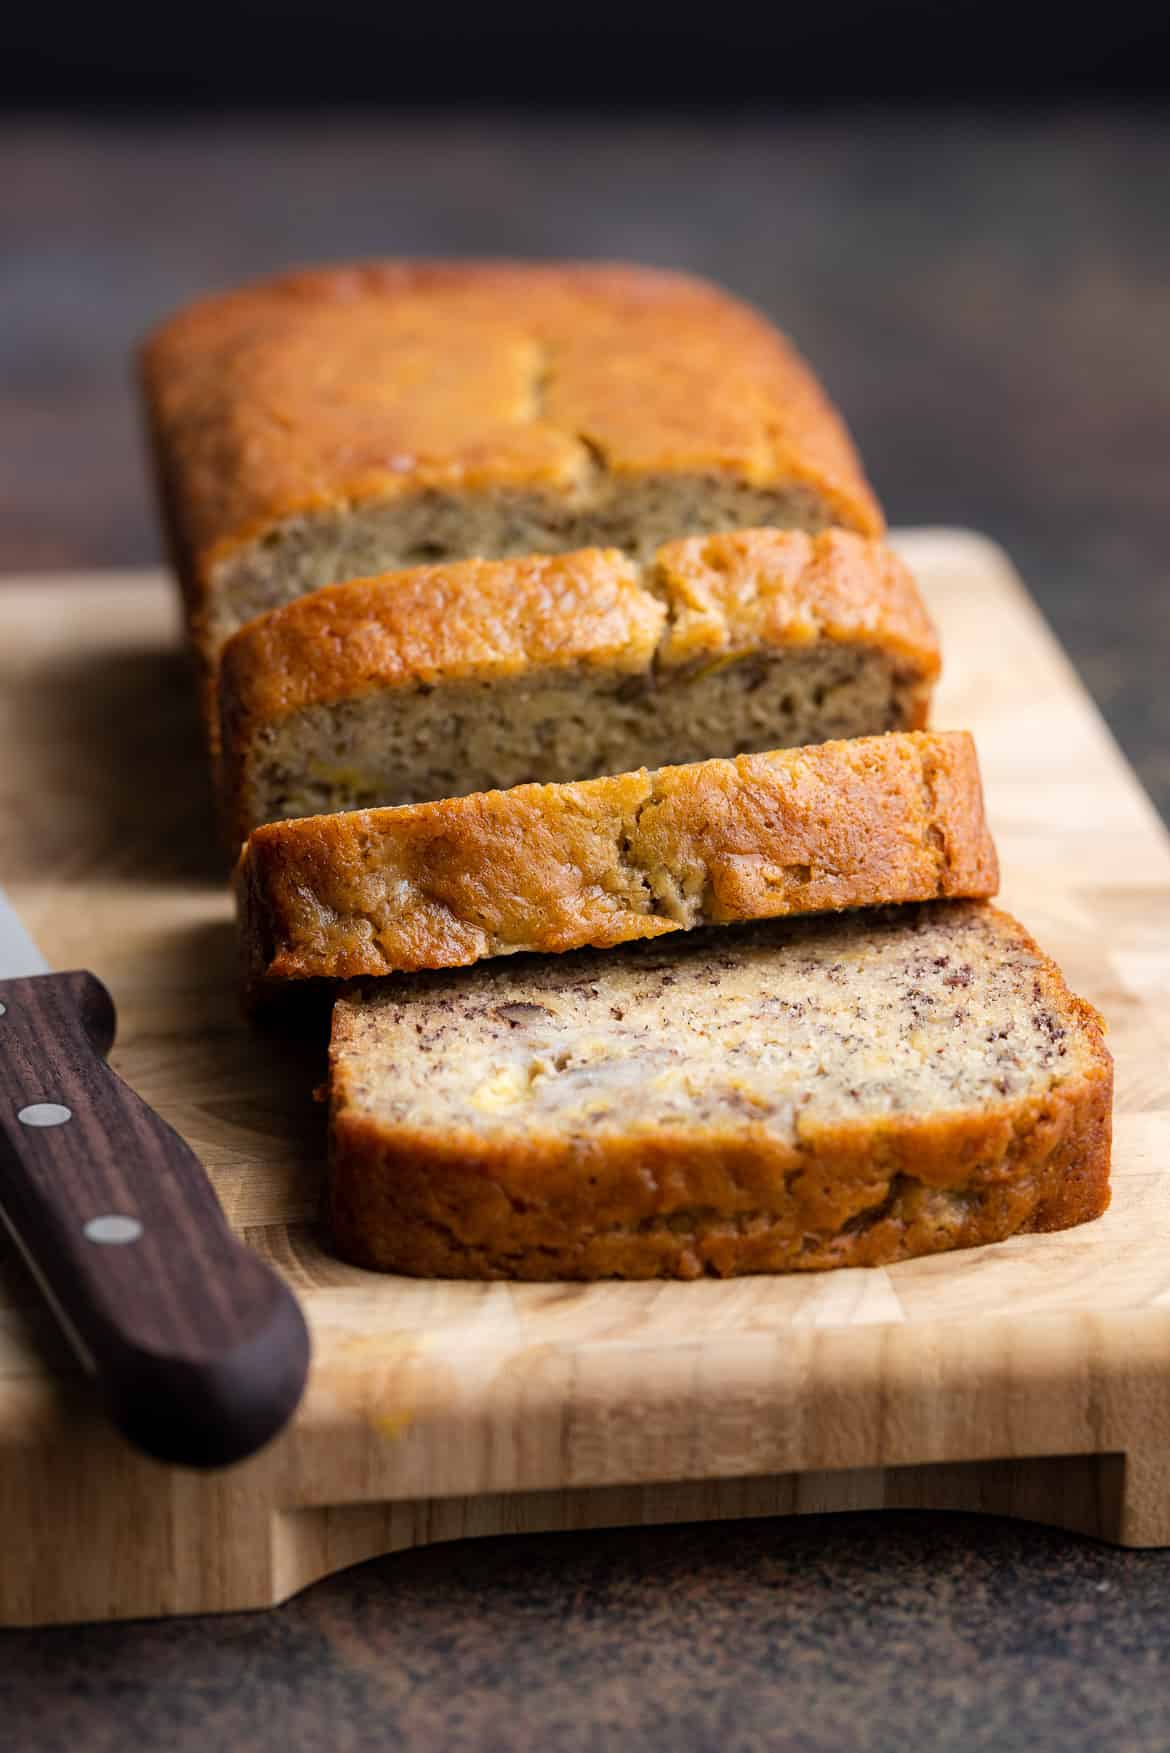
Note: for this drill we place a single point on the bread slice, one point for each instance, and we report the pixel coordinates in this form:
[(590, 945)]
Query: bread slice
[(335, 423), (452, 679), (558, 867), (843, 1091)]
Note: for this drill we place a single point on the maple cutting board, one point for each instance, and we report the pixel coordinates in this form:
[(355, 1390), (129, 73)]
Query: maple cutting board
[(1032, 1377)]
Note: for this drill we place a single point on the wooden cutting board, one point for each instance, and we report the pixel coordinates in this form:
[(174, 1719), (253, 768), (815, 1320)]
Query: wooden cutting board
[(1031, 1378)]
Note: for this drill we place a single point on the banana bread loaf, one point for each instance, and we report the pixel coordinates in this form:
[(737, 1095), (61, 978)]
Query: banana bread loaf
[(452, 679), (844, 1091), (605, 861), (335, 423)]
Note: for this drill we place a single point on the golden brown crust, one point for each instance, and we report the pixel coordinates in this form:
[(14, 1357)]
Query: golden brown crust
[(733, 593), (607, 861), (704, 599), (342, 385), (720, 1199), (472, 620), (717, 596)]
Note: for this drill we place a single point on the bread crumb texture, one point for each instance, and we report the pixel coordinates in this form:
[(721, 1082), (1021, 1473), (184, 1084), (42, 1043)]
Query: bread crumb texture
[(795, 1095), (448, 679)]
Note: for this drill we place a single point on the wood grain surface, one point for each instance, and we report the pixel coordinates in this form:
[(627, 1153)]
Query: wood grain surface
[(1031, 1377)]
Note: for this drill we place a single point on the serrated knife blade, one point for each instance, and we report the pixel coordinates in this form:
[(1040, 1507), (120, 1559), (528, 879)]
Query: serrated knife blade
[(19, 955)]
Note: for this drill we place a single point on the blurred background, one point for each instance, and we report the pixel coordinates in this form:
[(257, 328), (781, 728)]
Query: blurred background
[(648, 53), (961, 212)]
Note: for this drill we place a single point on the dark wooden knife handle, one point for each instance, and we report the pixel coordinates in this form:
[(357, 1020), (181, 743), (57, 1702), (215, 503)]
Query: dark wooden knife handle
[(200, 1350)]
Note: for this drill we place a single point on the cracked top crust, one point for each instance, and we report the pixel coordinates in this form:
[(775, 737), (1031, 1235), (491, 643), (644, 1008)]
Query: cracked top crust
[(706, 597), (335, 386), (606, 861)]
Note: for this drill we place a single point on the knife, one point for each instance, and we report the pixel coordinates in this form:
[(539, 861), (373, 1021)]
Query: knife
[(199, 1350)]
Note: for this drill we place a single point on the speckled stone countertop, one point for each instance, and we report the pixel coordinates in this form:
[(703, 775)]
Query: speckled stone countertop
[(870, 1632), (988, 302)]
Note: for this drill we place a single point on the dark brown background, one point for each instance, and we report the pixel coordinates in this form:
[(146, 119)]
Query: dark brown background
[(989, 299), (653, 53)]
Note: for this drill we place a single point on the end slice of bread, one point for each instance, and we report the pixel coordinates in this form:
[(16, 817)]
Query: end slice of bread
[(445, 680), (558, 867), (337, 422), (846, 1091)]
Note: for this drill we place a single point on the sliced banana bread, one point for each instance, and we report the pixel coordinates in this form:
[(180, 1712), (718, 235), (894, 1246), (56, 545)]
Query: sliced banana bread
[(832, 1092), (557, 867), (451, 679), (335, 423)]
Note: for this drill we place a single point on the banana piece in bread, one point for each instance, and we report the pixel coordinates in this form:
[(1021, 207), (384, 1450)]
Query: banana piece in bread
[(841, 1091)]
